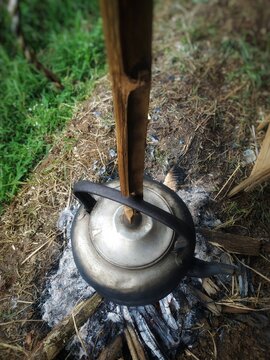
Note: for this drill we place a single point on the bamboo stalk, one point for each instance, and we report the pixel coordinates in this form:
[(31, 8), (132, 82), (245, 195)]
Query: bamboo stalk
[(128, 36), (261, 169)]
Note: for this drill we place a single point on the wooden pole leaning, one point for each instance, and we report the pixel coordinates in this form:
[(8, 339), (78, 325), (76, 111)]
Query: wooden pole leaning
[(128, 37)]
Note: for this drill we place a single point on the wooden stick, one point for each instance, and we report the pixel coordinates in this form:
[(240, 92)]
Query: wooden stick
[(113, 351), (134, 345), (131, 346), (233, 243), (206, 301), (227, 181), (128, 36), (57, 339)]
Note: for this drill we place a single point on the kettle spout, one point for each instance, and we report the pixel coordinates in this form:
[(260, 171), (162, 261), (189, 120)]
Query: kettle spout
[(202, 269)]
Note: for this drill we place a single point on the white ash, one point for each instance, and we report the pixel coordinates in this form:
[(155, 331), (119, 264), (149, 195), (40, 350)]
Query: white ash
[(195, 198), (98, 331), (202, 249), (163, 329), (249, 156), (66, 287), (65, 220), (112, 153)]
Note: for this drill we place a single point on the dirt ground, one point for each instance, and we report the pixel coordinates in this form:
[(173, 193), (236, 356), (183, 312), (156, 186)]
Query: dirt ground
[(210, 88)]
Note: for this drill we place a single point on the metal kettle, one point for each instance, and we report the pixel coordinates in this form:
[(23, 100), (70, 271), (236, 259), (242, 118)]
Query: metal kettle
[(139, 263)]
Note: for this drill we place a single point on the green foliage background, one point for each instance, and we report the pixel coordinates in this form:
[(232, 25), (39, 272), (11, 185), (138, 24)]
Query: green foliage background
[(67, 38)]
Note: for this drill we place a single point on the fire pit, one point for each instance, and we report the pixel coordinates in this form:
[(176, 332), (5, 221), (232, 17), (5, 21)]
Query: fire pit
[(165, 328)]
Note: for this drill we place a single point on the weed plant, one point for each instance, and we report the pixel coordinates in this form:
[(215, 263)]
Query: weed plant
[(67, 38)]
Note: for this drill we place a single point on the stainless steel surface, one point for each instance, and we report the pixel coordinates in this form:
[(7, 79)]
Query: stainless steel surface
[(141, 278), (129, 246)]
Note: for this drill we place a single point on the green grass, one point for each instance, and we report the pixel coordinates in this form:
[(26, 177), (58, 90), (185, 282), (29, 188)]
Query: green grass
[(68, 40), (254, 66)]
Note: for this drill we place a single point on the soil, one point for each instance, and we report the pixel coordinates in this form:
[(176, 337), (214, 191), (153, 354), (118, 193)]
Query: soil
[(202, 109)]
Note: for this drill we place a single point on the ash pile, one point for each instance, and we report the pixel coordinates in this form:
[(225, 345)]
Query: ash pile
[(164, 329)]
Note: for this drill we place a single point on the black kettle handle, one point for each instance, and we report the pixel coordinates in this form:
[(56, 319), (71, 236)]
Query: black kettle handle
[(204, 269)]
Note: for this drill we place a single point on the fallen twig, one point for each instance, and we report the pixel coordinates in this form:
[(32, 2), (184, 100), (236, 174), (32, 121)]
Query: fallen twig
[(210, 304), (78, 334), (227, 181), (16, 348), (37, 250), (14, 11), (238, 308), (256, 271), (19, 321), (189, 353), (214, 344)]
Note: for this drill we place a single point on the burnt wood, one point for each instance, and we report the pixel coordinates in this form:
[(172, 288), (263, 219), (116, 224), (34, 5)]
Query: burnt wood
[(233, 243), (58, 338)]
